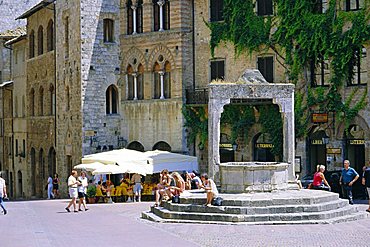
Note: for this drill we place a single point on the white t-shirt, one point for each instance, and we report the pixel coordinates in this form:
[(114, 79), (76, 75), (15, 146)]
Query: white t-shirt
[(50, 181), (84, 184), (2, 186), (213, 186), (72, 182)]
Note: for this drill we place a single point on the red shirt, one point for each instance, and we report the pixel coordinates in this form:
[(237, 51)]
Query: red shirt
[(317, 180)]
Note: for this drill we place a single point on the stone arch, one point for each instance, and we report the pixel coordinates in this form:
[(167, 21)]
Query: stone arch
[(358, 120), (162, 145), (132, 54), (135, 145), (165, 52)]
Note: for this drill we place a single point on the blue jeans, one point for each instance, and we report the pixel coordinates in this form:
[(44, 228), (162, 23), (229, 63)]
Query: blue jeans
[(2, 203), (347, 192)]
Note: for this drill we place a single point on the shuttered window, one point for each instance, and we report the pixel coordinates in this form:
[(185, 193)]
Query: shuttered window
[(217, 10), (266, 67), (264, 7), (217, 70)]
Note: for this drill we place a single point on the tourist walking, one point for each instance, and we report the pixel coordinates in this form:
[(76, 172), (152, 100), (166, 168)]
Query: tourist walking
[(2, 193), (347, 179), (136, 179), (56, 186), (49, 186), (82, 189), (366, 182), (72, 185), (210, 187)]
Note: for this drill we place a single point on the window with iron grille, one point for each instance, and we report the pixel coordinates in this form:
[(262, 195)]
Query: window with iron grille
[(217, 7), (266, 66), (264, 7), (217, 70)]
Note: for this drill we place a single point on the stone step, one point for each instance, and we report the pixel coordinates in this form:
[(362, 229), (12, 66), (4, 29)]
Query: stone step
[(331, 205), (254, 201), (305, 216), (355, 216)]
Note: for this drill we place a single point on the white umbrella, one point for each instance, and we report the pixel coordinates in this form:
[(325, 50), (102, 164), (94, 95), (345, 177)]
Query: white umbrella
[(109, 169), (89, 167)]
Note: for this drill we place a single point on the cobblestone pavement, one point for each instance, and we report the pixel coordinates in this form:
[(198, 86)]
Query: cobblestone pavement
[(46, 223)]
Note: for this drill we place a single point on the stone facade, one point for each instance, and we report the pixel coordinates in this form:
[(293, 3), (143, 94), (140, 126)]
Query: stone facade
[(149, 120), (41, 97)]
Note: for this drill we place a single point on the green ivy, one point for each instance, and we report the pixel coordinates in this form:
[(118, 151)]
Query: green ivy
[(196, 122), (298, 34), (272, 123), (240, 118)]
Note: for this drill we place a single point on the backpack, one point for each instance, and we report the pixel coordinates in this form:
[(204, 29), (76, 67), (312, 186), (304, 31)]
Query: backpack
[(217, 201)]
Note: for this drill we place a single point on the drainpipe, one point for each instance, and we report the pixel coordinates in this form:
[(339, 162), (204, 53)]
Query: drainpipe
[(55, 84), (193, 43)]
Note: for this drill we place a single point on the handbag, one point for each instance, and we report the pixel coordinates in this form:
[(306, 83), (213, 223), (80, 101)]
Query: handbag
[(176, 199), (217, 201)]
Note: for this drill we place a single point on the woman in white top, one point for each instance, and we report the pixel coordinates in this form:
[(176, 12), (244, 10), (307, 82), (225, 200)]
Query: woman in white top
[(210, 188), (72, 185), (82, 189)]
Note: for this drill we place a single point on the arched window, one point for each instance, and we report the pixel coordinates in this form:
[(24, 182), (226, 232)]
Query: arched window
[(52, 161), (52, 100), (20, 184), (108, 30), (130, 83), (140, 82), (157, 81), (40, 40), (134, 17), (67, 99), (50, 36), (16, 106), (162, 80), (135, 83), (163, 23), (32, 44), (111, 96), (136, 146), (167, 80), (32, 102), (164, 146), (41, 101)]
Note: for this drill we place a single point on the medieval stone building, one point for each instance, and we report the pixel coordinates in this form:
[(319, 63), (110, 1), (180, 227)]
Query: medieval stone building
[(96, 75)]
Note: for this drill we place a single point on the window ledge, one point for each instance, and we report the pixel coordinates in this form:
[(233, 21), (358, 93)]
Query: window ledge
[(109, 43), (113, 115)]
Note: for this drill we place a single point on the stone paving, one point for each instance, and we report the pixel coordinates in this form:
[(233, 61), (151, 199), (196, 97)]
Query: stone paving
[(46, 223)]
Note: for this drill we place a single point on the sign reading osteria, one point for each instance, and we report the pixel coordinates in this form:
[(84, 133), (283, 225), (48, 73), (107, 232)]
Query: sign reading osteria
[(264, 145), (356, 142)]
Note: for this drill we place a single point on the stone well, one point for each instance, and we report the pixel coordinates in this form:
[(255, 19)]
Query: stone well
[(241, 177)]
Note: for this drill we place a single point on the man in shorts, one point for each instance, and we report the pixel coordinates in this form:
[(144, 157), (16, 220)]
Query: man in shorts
[(136, 179), (72, 185)]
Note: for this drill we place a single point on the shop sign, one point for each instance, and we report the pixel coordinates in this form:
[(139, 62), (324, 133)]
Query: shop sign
[(319, 117), (226, 145), (333, 151), (356, 142), (264, 145), (90, 133), (317, 142)]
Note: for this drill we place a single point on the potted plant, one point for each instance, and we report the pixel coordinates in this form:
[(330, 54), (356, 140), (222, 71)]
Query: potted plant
[(91, 192)]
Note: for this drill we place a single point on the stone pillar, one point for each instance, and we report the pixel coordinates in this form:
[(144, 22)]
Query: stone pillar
[(133, 7), (161, 3), (161, 74), (215, 108), (286, 106), (135, 85)]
